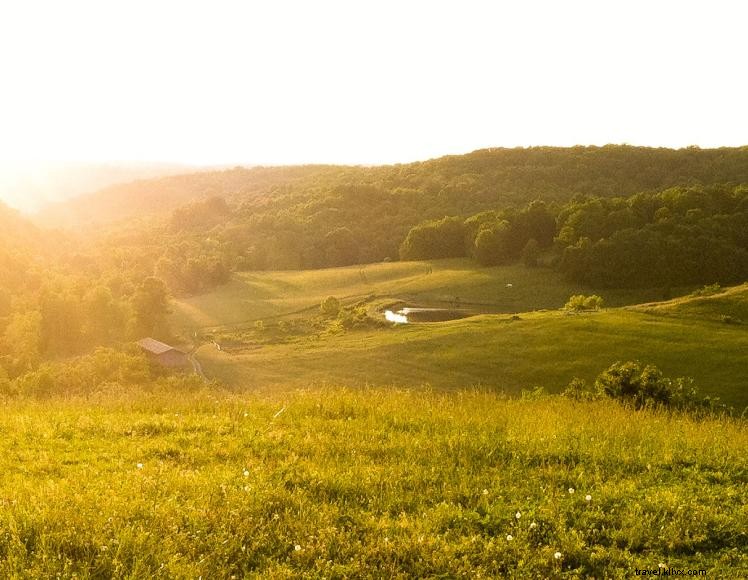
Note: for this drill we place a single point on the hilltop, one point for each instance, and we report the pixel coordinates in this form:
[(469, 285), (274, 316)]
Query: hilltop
[(30, 186), (454, 184)]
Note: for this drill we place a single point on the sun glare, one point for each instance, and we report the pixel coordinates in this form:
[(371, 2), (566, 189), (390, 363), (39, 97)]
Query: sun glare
[(340, 82)]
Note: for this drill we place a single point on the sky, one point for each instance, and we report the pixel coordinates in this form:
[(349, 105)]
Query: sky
[(281, 82)]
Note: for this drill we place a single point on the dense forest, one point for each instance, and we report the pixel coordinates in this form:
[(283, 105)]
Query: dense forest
[(63, 295), (314, 216), (677, 237), (451, 185), (614, 216)]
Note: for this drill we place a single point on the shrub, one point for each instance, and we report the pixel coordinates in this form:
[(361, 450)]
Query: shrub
[(643, 386), (580, 302), (85, 374), (709, 290), (330, 306), (579, 390)]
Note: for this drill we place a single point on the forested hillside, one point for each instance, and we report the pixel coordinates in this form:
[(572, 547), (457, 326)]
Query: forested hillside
[(676, 237), (61, 294), (319, 216)]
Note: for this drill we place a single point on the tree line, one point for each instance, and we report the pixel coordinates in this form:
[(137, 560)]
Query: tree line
[(322, 216), (677, 237)]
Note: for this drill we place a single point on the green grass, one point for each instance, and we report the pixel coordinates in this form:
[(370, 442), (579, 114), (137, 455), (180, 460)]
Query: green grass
[(266, 295), (730, 302), (378, 483), (684, 336), (541, 349)]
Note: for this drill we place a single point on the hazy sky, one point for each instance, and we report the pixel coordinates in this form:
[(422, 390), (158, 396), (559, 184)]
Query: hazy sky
[(364, 82)]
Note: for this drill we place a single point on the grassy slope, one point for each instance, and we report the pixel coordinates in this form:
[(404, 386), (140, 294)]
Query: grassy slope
[(374, 483), (683, 336), (545, 349), (260, 295), (732, 302)]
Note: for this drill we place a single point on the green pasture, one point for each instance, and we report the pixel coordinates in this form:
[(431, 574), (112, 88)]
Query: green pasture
[(372, 483), (252, 296)]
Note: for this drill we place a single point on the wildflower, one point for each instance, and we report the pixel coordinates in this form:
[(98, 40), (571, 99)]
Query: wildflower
[(246, 473), (533, 526), (509, 537), (557, 555), (297, 548), (588, 497), (485, 492), (518, 515), (571, 490), (662, 565), (139, 466)]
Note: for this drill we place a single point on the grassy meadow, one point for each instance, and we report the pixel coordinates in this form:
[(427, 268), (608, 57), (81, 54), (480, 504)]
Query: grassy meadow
[(364, 483), (253, 296), (542, 346), (542, 349), (369, 451)]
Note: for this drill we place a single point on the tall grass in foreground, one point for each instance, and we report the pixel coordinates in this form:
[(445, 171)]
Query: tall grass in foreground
[(370, 483)]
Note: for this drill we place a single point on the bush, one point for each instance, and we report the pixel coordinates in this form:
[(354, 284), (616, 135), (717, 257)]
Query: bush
[(330, 307), (579, 390), (580, 302), (709, 290), (85, 374), (640, 386)]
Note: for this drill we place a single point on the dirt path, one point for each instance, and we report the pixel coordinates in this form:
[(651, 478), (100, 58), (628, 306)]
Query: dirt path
[(196, 366)]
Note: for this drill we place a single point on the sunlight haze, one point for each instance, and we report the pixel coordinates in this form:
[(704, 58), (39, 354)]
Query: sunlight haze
[(362, 83)]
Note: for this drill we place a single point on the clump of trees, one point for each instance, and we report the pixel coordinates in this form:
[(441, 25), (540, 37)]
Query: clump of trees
[(492, 238), (60, 298), (444, 238), (677, 237)]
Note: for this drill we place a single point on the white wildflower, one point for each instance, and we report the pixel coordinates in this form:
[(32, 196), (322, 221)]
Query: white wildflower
[(571, 490), (557, 555), (588, 497), (139, 466), (297, 548), (246, 473), (518, 515), (533, 526), (509, 537)]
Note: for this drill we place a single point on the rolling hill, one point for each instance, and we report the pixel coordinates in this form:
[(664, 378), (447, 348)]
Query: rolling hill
[(541, 346), (451, 185)]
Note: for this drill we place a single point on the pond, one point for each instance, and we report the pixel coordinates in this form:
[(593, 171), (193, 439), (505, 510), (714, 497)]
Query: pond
[(408, 315)]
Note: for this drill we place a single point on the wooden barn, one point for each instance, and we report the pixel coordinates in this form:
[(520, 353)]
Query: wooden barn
[(164, 354)]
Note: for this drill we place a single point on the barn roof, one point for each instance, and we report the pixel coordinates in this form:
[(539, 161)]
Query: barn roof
[(155, 346)]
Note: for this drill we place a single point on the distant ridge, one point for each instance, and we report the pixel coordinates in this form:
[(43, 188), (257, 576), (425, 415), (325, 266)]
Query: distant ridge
[(30, 186), (472, 182)]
